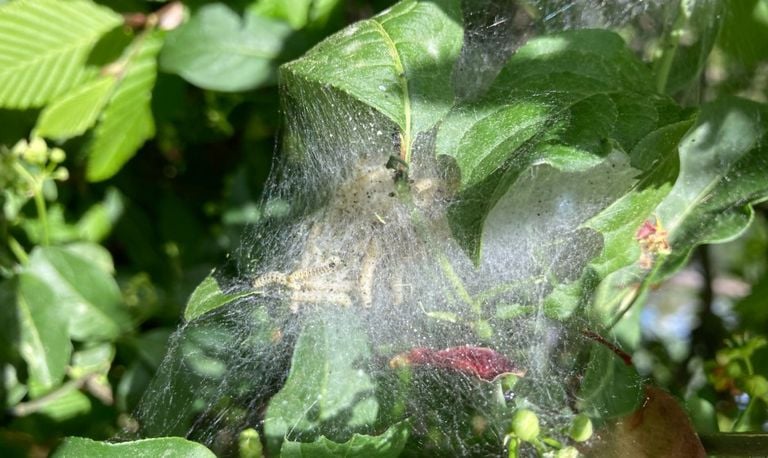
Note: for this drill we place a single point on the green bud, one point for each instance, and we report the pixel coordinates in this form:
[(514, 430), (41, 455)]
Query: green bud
[(58, 155), (733, 369), (567, 452), (581, 428), (525, 425), (483, 329), (37, 152), (60, 174), (20, 147), (249, 444)]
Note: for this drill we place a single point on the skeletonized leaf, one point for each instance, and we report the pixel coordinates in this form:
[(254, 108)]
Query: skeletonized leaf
[(217, 49), (45, 46), (126, 122)]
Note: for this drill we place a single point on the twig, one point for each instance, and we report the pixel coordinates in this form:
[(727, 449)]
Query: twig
[(23, 409)]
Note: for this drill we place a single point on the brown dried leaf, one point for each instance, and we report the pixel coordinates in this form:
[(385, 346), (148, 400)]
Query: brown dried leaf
[(659, 429)]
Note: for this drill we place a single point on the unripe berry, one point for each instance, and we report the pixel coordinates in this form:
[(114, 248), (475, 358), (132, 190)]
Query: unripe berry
[(525, 425), (581, 428)]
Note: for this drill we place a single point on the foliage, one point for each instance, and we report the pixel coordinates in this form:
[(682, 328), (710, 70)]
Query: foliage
[(101, 249)]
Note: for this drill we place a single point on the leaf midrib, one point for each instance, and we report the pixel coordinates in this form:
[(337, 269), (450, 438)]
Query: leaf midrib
[(402, 80)]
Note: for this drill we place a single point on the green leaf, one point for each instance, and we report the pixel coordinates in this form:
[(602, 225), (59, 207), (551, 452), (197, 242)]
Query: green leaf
[(549, 249), (389, 444), (126, 122), (208, 296), (75, 112), (85, 291), (91, 360), (398, 62), (97, 222), (722, 174), (326, 383), (45, 46), (43, 339), (78, 447), (566, 99), (610, 388), (656, 155), (219, 50)]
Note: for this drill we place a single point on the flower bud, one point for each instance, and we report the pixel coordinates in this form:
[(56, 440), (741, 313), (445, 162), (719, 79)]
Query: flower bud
[(581, 428), (60, 174), (249, 444), (20, 147), (37, 152), (525, 425), (57, 155), (483, 329)]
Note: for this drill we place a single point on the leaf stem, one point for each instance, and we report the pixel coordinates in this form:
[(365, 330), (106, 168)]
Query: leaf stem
[(646, 282), (405, 140), (445, 265), (18, 250)]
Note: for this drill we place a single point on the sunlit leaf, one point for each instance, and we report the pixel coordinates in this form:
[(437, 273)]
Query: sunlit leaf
[(399, 63), (77, 111), (126, 121), (45, 46), (723, 172)]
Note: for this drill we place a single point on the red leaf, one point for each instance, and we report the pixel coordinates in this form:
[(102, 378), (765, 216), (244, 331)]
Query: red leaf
[(480, 362)]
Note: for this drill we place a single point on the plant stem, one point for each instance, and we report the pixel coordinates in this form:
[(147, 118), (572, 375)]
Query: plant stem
[(18, 250), (26, 408), (672, 40), (445, 265), (735, 444), (644, 285), (37, 192)]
